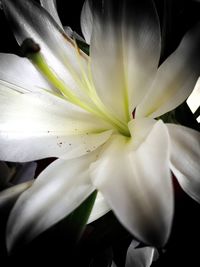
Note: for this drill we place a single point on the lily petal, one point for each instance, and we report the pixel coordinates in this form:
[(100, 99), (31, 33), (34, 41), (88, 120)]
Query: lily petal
[(30, 20), (125, 50), (185, 156), (137, 184), (58, 190), (35, 126), (86, 21), (175, 79), (51, 7), (99, 209), (20, 72), (139, 257)]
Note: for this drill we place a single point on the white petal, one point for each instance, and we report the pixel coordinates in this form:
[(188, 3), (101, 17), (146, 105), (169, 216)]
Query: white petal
[(51, 7), (58, 190), (34, 126), (193, 100), (86, 21), (125, 50), (99, 209), (139, 257), (30, 20), (175, 79), (10, 195), (20, 72), (185, 158), (136, 183)]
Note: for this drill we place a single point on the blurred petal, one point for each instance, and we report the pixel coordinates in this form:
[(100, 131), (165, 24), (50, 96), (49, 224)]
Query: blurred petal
[(175, 79), (139, 257), (35, 126), (86, 21), (20, 72), (24, 173), (99, 209), (72, 34), (51, 7), (58, 190), (125, 50), (10, 195), (185, 157), (137, 184), (113, 264)]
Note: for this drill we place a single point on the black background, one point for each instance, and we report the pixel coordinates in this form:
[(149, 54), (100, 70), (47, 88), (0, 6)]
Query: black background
[(106, 237)]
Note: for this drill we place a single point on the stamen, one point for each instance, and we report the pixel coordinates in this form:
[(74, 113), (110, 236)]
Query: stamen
[(31, 50)]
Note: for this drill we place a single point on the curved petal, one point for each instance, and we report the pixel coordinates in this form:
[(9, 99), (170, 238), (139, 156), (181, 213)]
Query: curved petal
[(86, 21), (20, 72), (125, 50), (185, 157), (51, 7), (30, 20), (35, 126), (99, 209), (139, 257), (137, 184), (58, 190), (175, 78)]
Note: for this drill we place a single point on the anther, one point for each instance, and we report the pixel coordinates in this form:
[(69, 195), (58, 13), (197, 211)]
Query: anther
[(29, 47)]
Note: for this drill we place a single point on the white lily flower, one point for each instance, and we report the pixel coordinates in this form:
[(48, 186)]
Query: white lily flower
[(97, 115)]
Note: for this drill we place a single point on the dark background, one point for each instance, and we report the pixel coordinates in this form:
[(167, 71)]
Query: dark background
[(106, 238)]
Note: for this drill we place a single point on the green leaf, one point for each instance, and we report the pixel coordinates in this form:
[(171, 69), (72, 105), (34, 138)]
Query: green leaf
[(77, 220)]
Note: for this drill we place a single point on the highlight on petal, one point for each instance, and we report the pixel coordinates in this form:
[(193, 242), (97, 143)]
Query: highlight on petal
[(125, 51), (140, 257), (175, 79), (19, 71), (86, 21), (58, 190), (136, 184), (51, 7), (35, 126), (185, 157), (99, 209)]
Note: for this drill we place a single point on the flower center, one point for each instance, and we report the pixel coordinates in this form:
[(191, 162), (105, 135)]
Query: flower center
[(32, 51)]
